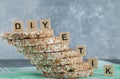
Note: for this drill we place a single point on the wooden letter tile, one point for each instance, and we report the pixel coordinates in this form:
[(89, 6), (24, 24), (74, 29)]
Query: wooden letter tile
[(81, 50), (32, 25), (65, 36), (45, 24), (18, 26), (93, 62), (108, 70)]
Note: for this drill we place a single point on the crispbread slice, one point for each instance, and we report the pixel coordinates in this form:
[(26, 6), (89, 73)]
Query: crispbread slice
[(73, 60), (44, 48), (69, 75), (65, 68), (28, 35), (52, 55), (35, 42)]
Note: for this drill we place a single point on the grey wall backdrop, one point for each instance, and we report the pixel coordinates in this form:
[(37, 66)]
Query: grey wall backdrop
[(94, 23)]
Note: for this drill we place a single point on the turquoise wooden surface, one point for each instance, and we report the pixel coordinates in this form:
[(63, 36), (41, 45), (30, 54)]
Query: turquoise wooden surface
[(32, 73)]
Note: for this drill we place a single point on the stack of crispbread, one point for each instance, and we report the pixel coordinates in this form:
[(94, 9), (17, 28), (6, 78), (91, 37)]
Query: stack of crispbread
[(49, 54)]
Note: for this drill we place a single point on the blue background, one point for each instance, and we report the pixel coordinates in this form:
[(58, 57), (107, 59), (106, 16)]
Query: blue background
[(94, 23)]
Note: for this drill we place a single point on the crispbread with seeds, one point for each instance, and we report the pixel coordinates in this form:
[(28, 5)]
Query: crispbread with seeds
[(35, 42), (27, 35), (45, 48)]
